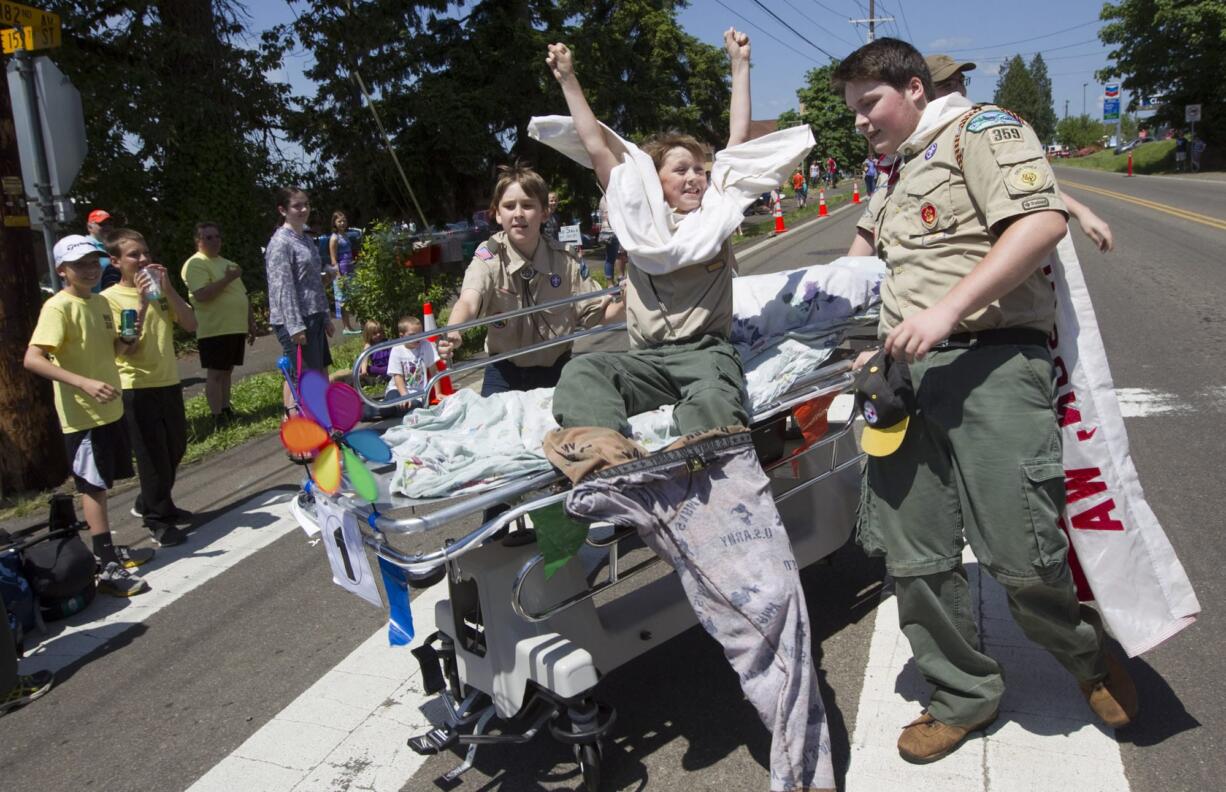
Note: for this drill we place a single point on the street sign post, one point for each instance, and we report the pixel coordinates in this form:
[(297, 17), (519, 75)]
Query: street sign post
[(1111, 103), (26, 28), (47, 115), (1191, 114)]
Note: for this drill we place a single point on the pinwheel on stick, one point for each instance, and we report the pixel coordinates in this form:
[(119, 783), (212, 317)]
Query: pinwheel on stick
[(325, 430)]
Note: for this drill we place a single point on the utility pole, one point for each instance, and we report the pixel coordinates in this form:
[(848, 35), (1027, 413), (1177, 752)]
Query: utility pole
[(31, 452), (871, 20), (1066, 108), (1083, 97)]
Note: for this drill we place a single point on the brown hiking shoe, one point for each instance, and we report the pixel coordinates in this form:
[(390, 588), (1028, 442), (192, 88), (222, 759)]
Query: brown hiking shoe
[(927, 739), (1114, 698)]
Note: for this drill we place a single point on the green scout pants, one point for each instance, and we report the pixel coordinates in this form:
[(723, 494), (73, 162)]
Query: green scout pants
[(703, 378), (980, 462)]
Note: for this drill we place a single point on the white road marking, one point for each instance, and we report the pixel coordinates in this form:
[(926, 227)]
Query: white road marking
[(1046, 736), (347, 731), (240, 532), (1144, 403)]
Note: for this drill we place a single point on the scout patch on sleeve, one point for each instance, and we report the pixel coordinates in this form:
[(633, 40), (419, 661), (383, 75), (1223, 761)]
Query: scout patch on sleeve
[(1030, 204), (1026, 178), (484, 253), (989, 119)]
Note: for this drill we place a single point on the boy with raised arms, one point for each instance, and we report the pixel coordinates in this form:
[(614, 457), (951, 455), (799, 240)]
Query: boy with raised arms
[(964, 231), (716, 522)]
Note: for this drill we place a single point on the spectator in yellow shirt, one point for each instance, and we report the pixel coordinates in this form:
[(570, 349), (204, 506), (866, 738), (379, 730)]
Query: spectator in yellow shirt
[(149, 376), (224, 315), (74, 345)]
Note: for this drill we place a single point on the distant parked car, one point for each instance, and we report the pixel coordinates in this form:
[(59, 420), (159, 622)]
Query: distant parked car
[(1130, 145)]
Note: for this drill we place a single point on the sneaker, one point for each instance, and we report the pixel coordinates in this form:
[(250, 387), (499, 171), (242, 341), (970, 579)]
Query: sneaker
[(182, 519), (1113, 698), (132, 557), (119, 582), (165, 535), (927, 739), (26, 690)]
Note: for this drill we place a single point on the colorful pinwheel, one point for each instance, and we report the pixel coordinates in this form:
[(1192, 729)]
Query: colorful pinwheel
[(330, 411)]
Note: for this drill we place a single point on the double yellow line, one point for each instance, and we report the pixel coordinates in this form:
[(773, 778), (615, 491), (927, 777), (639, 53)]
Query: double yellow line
[(1212, 222)]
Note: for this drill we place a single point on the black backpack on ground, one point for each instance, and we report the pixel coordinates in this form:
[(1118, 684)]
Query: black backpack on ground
[(57, 564)]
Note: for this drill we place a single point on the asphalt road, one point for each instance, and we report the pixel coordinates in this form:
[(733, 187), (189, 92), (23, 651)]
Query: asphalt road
[(164, 701)]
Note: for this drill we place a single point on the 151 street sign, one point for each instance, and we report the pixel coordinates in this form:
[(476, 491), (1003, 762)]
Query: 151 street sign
[(26, 28)]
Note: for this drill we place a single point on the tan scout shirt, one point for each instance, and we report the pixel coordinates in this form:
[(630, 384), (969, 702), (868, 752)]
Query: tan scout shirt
[(497, 274), (684, 304), (937, 222)]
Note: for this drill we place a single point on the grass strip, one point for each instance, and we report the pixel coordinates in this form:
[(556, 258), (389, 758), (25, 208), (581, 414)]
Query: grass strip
[(1156, 157), (256, 400)]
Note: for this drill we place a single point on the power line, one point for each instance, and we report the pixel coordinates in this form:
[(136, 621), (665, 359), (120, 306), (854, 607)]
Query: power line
[(1023, 41), (902, 10), (816, 24), (774, 38), (387, 141), (793, 30), (1042, 52)]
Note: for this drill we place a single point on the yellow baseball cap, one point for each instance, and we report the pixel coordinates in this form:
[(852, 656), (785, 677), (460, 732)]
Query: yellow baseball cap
[(885, 399)]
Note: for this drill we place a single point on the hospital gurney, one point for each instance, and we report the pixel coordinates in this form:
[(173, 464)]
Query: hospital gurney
[(523, 653)]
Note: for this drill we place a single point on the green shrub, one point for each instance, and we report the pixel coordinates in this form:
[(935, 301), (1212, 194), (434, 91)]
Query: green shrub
[(382, 288)]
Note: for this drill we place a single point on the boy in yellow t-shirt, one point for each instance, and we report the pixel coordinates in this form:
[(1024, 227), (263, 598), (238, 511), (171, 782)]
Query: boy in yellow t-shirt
[(149, 375), (75, 328)]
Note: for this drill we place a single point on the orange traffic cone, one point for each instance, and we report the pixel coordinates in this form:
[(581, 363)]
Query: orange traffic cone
[(855, 192), (428, 323), (779, 226), (821, 203)]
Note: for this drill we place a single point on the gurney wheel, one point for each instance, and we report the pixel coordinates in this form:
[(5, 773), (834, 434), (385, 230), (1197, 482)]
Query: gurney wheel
[(588, 756)]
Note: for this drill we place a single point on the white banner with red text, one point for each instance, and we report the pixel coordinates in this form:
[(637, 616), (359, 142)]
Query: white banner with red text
[(1121, 558)]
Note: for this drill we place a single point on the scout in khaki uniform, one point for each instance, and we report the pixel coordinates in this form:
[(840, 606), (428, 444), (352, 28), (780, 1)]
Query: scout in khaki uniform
[(518, 268), (963, 231)]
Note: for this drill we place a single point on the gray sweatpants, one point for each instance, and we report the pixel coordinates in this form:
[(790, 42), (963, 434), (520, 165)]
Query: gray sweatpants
[(707, 510)]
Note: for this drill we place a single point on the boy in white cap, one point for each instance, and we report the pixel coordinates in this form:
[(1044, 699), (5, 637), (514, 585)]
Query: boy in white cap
[(74, 345)]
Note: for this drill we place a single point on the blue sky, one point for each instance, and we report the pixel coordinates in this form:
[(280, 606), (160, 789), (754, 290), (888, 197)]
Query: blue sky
[(986, 33)]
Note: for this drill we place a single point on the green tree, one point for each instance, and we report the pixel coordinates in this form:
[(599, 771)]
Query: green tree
[(180, 120), (833, 124), (456, 94), (1044, 118), (1077, 132), (1175, 49), (1017, 90), (788, 119)]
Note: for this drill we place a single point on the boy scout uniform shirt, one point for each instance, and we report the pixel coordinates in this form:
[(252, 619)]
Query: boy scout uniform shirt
[(936, 223), (497, 274), (681, 305), (80, 336)]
